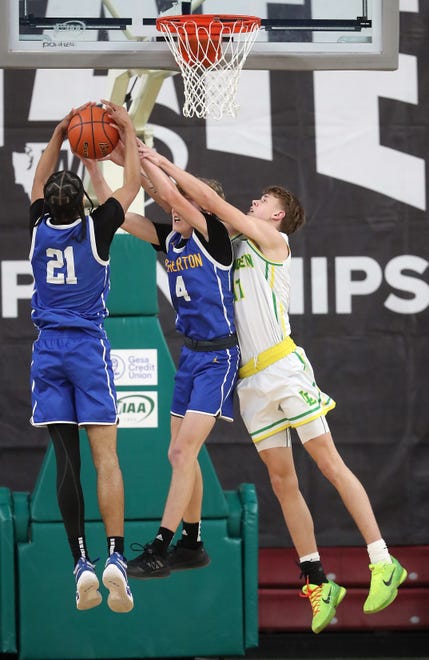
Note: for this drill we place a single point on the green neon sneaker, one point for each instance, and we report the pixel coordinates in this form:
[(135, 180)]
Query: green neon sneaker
[(385, 580), (324, 600)]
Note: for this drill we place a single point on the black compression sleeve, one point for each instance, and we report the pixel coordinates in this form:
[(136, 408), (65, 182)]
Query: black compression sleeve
[(65, 439)]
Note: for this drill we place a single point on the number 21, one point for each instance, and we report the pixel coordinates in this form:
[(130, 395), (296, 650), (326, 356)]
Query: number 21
[(56, 262)]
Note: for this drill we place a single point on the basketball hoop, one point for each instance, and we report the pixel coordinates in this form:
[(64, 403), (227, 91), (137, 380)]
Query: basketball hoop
[(210, 51)]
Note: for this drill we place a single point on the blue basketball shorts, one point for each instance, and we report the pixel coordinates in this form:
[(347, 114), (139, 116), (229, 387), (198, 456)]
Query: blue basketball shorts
[(72, 379), (204, 382)]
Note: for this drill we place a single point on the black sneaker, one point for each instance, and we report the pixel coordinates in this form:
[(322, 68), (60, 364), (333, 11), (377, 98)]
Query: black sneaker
[(148, 564), (181, 558)]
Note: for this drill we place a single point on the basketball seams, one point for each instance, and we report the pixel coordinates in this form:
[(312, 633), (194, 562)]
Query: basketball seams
[(105, 122), (101, 139), (93, 120)]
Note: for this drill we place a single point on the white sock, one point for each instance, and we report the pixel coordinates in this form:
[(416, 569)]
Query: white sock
[(378, 551), (314, 556)]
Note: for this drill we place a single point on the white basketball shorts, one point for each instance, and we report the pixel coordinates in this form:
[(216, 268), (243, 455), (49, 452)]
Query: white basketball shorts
[(283, 395)]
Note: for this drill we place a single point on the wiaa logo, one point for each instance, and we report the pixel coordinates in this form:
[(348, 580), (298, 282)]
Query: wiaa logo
[(136, 406)]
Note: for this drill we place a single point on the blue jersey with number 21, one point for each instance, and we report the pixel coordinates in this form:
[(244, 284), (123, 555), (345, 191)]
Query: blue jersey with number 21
[(71, 280)]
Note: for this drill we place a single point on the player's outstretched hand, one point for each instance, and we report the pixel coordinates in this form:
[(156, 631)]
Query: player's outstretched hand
[(150, 154), (118, 114), (140, 147), (117, 156), (64, 123)]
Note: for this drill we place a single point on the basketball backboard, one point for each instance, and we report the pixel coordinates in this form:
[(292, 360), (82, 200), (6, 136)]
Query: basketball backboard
[(121, 34)]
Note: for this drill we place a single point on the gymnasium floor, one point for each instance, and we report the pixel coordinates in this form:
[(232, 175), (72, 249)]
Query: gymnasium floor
[(342, 646), (329, 646)]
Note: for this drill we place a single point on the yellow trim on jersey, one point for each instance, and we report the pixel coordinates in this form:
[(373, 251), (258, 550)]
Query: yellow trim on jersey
[(269, 262), (286, 425), (282, 317), (267, 357)]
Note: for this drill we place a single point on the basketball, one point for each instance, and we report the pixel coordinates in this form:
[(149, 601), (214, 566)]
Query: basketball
[(90, 133)]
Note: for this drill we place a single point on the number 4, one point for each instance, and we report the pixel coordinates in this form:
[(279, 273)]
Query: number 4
[(181, 291)]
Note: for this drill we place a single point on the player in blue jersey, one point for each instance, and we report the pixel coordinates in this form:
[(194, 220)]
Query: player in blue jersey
[(277, 389), (199, 263), (71, 373)]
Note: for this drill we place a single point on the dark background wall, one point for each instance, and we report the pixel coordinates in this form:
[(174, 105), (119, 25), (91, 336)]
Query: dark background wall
[(361, 295)]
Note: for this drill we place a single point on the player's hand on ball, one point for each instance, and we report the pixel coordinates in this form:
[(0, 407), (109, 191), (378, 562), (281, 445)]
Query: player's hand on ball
[(118, 154), (118, 115), (91, 133)]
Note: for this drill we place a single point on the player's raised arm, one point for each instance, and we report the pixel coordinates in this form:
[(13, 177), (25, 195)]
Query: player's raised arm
[(265, 235), (117, 156), (131, 185), (134, 223), (173, 198), (140, 227), (99, 183), (49, 158)]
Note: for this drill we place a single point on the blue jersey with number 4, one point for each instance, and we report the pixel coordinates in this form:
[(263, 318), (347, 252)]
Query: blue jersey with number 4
[(71, 281), (200, 287)]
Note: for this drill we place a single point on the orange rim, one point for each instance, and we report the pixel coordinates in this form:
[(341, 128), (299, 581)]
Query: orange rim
[(192, 22)]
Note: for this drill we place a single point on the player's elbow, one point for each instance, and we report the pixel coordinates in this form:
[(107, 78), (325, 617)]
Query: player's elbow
[(126, 197), (170, 196), (209, 200)]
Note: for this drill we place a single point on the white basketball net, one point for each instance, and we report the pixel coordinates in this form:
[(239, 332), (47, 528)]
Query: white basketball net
[(210, 58)]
